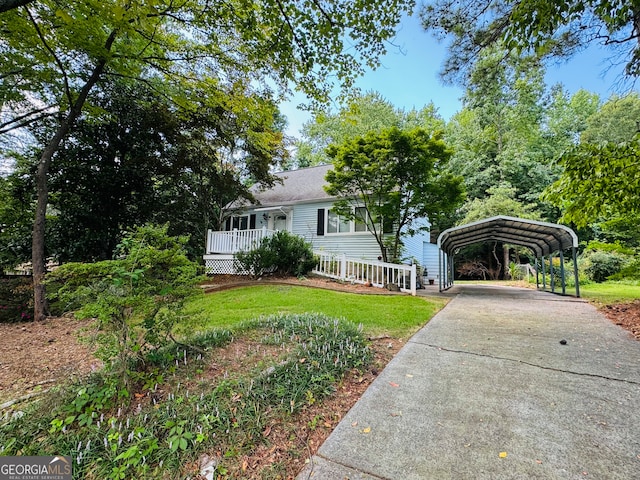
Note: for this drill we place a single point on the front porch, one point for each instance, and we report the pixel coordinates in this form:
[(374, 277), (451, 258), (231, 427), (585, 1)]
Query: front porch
[(222, 246)]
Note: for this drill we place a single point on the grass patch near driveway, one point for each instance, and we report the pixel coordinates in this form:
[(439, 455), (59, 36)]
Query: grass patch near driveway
[(610, 292), (396, 315)]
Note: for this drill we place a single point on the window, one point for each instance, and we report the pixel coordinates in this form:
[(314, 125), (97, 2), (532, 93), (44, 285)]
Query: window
[(338, 224), (240, 222), (361, 224)]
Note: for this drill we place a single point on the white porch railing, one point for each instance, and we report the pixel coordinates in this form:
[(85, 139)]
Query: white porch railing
[(236, 240), (379, 274)]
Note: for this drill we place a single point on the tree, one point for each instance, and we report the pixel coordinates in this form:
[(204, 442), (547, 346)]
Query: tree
[(147, 161), (397, 176), (497, 138), (617, 121), (559, 29), (362, 114), (51, 59), (599, 181), (500, 200)]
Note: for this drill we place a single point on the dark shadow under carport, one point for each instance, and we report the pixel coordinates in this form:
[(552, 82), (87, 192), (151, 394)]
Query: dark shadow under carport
[(543, 238)]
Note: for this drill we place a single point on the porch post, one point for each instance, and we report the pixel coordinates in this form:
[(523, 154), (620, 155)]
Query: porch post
[(413, 279), (440, 269), (343, 267)]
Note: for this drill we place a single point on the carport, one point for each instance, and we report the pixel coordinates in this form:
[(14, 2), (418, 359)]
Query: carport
[(546, 240)]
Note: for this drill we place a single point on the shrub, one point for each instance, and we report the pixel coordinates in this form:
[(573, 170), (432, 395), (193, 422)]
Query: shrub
[(599, 265), (136, 298), (630, 272), (282, 253), (16, 299)]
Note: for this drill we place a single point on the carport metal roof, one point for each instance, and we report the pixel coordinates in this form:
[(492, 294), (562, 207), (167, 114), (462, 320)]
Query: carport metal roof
[(541, 237)]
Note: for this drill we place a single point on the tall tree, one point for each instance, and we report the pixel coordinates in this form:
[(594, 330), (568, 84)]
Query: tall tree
[(497, 137), (51, 58), (617, 121), (540, 27), (600, 179), (361, 115), (397, 176)]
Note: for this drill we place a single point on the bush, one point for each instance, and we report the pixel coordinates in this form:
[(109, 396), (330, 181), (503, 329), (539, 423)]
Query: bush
[(137, 297), (282, 253), (629, 272), (599, 265), (16, 299)]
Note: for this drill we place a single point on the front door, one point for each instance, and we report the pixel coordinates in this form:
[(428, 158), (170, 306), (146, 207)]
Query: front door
[(280, 222)]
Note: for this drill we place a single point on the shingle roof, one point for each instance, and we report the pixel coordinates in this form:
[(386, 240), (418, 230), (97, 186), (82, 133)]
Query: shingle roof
[(303, 185)]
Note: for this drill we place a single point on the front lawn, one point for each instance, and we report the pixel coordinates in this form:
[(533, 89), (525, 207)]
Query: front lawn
[(395, 315), (254, 389)]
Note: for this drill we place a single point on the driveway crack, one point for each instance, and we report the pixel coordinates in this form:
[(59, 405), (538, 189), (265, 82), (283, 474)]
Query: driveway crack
[(542, 367)]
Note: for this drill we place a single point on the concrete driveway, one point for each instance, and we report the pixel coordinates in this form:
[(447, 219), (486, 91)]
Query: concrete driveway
[(487, 391)]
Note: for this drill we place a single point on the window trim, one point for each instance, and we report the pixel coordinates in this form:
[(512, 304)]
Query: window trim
[(352, 224)]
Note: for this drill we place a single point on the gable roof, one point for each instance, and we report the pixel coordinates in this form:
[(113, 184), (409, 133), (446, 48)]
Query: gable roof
[(303, 185)]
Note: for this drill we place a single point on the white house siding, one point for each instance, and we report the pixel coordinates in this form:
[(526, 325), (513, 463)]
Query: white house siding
[(360, 245), (302, 220)]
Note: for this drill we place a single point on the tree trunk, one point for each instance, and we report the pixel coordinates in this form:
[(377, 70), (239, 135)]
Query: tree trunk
[(38, 258), (498, 264), (40, 304), (505, 261)]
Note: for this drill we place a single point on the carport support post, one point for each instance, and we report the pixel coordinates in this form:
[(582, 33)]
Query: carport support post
[(537, 274), (574, 254), (551, 274), (452, 271), (544, 273), (564, 284), (440, 260)]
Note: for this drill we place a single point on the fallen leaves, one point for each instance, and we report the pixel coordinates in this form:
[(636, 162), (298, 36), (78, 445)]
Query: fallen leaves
[(393, 384), (502, 454)]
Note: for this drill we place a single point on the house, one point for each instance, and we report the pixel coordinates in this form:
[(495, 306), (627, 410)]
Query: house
[(301, 205)]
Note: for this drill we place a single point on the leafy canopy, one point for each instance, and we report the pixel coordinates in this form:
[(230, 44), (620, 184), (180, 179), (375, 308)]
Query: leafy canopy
[(397, 175), (599, 181), (362, 114), (544, 28)]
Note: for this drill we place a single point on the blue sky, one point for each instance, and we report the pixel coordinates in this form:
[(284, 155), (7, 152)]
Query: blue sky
[(409, 78)]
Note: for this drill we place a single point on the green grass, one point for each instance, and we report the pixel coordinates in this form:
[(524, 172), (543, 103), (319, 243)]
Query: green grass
[(610, 292), (396, 315), (605, 293)]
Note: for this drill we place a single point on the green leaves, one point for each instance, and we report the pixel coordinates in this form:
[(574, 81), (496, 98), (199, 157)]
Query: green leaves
[(397, 175), (599, 181), (540, 27)]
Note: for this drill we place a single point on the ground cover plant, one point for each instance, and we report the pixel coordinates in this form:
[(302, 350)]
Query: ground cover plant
[(183, 404)]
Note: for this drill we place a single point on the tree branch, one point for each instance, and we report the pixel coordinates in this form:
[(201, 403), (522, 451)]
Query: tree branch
[(6, 5), (67, 90), (28, 118)]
